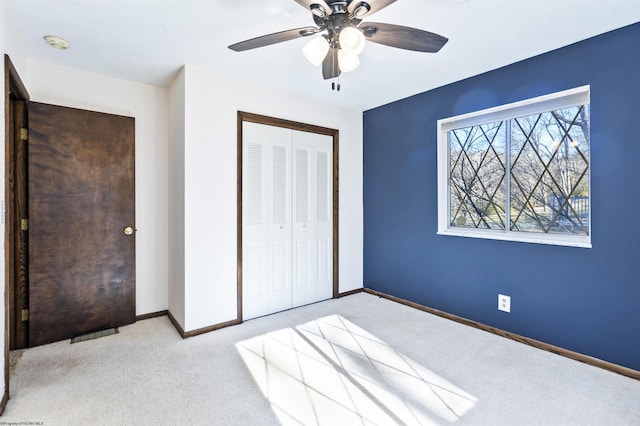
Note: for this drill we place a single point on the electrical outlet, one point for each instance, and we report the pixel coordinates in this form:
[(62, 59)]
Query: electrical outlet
[(504, 303)]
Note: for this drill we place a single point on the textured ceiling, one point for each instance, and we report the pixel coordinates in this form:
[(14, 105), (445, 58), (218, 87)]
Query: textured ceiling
[(149, 40)]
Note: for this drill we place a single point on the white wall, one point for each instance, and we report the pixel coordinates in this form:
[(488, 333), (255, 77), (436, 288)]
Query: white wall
[(149, 105), (176, 197), (210, 154)]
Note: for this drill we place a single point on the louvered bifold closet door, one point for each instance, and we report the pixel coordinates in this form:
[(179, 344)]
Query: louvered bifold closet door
[(266, 220), (312, 221)]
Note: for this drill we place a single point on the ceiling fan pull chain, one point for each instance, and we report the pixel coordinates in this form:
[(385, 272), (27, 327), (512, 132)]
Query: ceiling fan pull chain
[(333, 68)]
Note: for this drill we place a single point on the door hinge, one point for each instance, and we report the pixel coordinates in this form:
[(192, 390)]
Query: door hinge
[(24, 134), (24, 224), (25, 315)]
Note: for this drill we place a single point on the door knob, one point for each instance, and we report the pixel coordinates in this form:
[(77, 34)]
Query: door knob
[(128, 230)]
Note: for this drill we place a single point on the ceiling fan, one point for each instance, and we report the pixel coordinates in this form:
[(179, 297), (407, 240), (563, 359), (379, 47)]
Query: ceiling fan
[(344, 34)]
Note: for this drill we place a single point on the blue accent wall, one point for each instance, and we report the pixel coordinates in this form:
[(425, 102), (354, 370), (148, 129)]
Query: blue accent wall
[(584, 300)]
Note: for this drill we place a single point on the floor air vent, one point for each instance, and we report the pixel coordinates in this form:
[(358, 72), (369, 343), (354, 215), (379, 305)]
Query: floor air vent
[(95, 335)]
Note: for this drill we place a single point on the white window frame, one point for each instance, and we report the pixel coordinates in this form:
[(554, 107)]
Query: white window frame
[(565, 99)]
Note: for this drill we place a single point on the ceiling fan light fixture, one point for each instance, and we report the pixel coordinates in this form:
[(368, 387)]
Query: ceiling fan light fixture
[(347, 61), (316, 50), (351, 40)]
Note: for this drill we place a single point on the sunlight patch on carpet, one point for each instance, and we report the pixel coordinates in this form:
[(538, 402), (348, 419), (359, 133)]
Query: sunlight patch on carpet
[(330, 371)]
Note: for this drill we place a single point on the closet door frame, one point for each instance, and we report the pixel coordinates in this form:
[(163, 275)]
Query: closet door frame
[(293, 125)]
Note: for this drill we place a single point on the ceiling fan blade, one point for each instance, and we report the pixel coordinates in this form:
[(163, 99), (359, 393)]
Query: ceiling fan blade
[(375, 5), (330, 67), (403, 37), (274, 38)]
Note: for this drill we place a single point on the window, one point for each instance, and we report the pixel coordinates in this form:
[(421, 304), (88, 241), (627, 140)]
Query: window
[(518, 172)]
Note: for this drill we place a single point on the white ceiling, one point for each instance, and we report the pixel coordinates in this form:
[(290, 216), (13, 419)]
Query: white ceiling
[(149, 40)]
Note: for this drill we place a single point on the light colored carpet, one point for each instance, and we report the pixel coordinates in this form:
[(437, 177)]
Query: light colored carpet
[(356, 360)]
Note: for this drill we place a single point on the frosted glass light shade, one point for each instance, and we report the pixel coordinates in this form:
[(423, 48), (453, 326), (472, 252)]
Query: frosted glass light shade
[(351, 40), (316, 50), (347, 61)]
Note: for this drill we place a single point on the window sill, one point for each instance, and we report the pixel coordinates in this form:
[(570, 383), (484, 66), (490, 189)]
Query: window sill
[(522, 237)]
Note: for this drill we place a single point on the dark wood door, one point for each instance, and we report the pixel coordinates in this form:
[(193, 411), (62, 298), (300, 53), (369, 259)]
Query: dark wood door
[(81, 200)]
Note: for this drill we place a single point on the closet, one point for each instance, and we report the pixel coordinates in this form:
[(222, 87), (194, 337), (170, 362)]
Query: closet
[(287, 230)]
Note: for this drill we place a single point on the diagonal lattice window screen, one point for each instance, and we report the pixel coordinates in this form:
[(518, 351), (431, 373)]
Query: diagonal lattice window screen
[(549, 172), (540, 160), (477, 176)]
